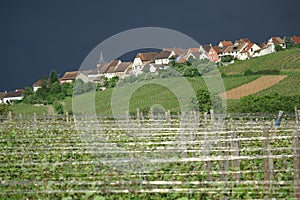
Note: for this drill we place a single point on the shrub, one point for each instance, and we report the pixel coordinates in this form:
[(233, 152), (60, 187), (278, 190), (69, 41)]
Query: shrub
[(278, 48), (59, 108), (4, 109), (227, 58), (248, 72), (266, 104)]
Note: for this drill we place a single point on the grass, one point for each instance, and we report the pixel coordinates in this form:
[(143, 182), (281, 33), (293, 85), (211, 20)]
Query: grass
[(26, 109)]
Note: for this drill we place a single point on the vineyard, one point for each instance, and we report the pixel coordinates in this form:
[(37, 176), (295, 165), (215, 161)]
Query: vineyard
[(191, 156), (287, 87), (285, 60)]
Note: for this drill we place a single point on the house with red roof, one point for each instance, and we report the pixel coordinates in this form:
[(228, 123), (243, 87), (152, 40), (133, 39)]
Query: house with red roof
[(277, 41), (144, 58), (110, 72), (141, 59), (265, 49), (248, 51), (38, 84), (10, 97), (164, 57), (123, 70), (236, 49), (213, 54), (69, 77)]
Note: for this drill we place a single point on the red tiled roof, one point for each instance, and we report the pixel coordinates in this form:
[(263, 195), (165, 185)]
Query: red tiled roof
[(243, 40), (122, 67), (248, 47), (194, 49), (12, 94), (163, 54), (216, 49), (112, 66), (177, 51), (101, 69), (38, 83), (296, 39), (149, 56), (206, 47), (237, 47), (277, 40), (70, 75), (226, 43)]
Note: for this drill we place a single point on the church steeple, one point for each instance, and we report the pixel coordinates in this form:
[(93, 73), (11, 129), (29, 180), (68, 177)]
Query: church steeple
[(101, 59)]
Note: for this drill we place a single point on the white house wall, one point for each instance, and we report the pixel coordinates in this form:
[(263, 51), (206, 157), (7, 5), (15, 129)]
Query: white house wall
[(10, 99), (137, 61), (36, 88)]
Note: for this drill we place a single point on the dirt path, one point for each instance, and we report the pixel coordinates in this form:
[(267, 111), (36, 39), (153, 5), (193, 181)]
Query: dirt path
[(253, 87)]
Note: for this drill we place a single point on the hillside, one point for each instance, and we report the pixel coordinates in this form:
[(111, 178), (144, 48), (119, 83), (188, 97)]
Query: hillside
[(288, 62)]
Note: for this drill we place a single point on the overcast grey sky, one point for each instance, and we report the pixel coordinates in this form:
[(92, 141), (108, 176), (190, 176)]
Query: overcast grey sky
[(37, 36)]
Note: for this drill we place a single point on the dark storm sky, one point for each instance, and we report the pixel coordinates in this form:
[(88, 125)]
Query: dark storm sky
[(37, 36)]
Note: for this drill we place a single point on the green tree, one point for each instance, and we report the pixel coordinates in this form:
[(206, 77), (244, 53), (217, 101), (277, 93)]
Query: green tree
[(53, 77), (289, 42), (67, 89), (55, 88), (203, 100), (59, 108), (190, 71), (42, 93), (278, 48), (28, 95)]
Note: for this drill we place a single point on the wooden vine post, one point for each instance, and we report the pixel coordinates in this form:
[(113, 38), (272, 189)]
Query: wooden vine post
[(235, 153), (296, 152), (35, 120), (138, 115), (168, 118), (268, 162), (9, 115), (127, 120), (67, 117)]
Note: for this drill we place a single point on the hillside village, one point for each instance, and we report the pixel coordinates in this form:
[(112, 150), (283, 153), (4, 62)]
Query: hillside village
[(222, 54)]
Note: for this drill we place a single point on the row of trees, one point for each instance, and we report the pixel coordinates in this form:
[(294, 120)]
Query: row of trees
[(50, 91)]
